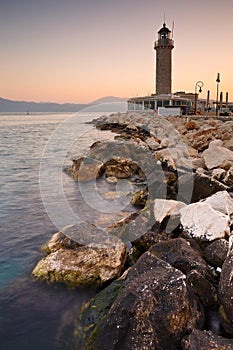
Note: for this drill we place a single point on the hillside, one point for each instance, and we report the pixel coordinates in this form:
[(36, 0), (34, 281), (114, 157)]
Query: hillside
[(10, 106)]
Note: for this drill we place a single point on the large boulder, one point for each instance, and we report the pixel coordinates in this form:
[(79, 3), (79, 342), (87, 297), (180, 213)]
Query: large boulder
[(98, 259), (217, 156), (210, 218), (201, 221), (154, 309), (203, 340), (180, 254), (226, 293)]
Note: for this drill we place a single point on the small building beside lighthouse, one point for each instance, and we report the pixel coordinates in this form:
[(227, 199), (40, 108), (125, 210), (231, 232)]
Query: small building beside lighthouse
[(162, 100)]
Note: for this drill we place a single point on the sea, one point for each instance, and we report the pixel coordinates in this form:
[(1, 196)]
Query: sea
[(37, 198)]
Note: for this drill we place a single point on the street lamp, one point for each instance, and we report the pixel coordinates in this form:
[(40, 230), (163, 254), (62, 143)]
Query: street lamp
[(199, 84), (217, 81)]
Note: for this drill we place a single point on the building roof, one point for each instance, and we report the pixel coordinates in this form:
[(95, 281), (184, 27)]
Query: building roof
[(164, 29)]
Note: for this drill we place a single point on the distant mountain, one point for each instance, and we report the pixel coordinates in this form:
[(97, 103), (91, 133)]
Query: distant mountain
[(109, 99), (9, 106)]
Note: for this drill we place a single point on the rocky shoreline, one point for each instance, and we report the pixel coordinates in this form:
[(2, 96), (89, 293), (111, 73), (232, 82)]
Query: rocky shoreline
[(166, 270)]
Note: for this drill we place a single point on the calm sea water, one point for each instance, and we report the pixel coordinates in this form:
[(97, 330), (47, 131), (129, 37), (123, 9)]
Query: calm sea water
[(33, 313)]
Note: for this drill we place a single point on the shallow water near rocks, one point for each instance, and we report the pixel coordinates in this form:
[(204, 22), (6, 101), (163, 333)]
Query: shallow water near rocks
[(33, 313)]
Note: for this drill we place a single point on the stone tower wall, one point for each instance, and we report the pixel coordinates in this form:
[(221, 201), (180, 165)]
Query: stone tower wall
[(163, 70)]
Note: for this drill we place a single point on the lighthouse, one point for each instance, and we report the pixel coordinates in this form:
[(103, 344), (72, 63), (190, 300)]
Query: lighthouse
[(163, 47), (163, 101)]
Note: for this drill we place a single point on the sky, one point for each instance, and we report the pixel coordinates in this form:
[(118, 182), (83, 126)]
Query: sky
[(80, 50)]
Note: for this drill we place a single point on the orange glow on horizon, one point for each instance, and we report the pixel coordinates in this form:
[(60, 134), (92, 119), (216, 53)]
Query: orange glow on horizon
[(78, 53)]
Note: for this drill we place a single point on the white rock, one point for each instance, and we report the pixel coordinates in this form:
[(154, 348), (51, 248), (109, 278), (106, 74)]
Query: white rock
[(217, 156), (166, 207), (222, 202), (200, 220)]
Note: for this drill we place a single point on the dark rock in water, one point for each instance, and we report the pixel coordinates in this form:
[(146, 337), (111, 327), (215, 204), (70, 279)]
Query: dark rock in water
[(121, 168), (216, 253), (154, 310), (226, 294), (139, 198), (85, 169), (85, 327), (203, 340)]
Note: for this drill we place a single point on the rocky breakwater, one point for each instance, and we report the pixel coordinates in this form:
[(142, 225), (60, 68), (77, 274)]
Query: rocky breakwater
[(173, 285)]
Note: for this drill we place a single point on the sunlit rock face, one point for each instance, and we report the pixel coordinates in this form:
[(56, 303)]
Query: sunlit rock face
[(97, 259)]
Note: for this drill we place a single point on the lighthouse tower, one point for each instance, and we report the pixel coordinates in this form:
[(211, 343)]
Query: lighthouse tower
[(163, 47)]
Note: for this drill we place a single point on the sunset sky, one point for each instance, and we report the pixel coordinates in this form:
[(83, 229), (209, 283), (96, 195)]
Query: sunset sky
[(80, 50)]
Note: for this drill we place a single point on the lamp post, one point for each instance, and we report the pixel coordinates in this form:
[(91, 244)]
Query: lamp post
[(199, 84), (217, 81)]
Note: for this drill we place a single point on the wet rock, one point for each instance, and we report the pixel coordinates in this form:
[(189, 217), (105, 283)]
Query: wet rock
[(206, 340), (217, 156), (155, 308), (201, 221), (226, 293), (216, 253), (111, 180), (139, 198), (105, 151), (120, 168), (85, 169), (101, 260), (85, 324)]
